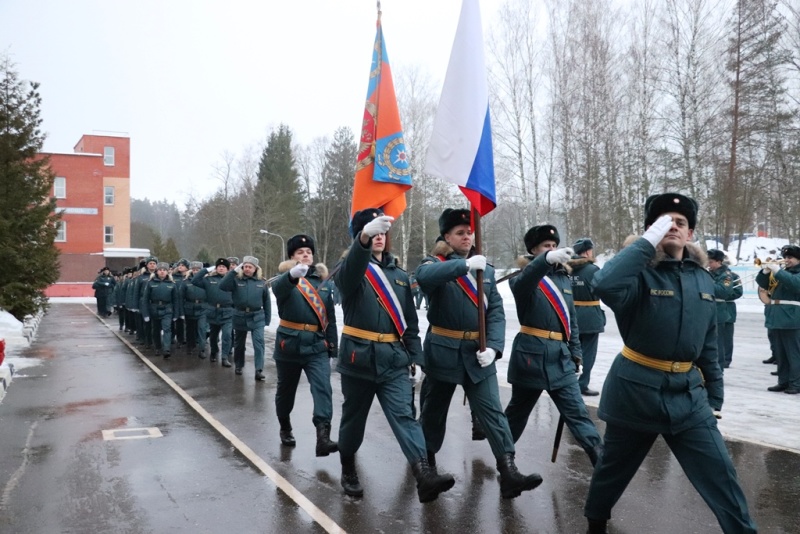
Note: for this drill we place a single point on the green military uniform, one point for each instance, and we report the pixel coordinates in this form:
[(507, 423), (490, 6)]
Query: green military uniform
[(589, 315), (666, 315), (252, 311), (194, 309), (304, 344), (452, 361), (729, 327), (103, 288), (146, 328), (723, 292), (219, 311), (782, 316), (542, 359), (162, 307)]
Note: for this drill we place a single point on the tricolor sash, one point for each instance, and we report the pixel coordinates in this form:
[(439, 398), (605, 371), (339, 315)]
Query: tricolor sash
[(556, 300), (470, 286), (386, 296), (314, 300)]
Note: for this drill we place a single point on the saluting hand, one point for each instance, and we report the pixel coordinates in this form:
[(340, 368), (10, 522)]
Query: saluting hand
[(378, 225), (298, 271), (562, 255), (658, 230)]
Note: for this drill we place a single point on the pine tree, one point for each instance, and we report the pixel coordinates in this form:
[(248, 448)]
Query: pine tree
[(28, 222), (332, 204)]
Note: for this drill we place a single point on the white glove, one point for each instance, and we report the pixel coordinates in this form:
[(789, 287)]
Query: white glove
[(378, 225), (211, 268), (658, 230), (562, 255), (105, 283), (476, 263), (486, 357), (773, 268), (415, 374), (238, 268), (717, 414), (147, 319), (298, 271), (765, 270)]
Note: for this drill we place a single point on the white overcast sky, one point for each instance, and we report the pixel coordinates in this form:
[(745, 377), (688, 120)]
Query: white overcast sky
[(189, 79)]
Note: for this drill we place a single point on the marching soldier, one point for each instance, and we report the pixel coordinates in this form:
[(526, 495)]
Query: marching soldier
[(590, 316), (119, 297), (181, 276), (252, 311), (162, 306), (667, 380), (234, 261), (220, 308), (380, 340), (103, 287), (547, 352), (148, 271), (783, 317), (134, 317), (194, 309), (452, 350), (724, 291), (305, 340)]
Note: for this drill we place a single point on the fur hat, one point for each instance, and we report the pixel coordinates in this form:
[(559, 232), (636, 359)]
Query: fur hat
[(251, 260), (716, 254), (162, 265), (656, 205), (361, 218), (149, 259), (196, 265), (223, 261), (792, 251), (234, 259), (450, 218), (105, 268), (582, 245), (537, 234), (184, 262), (299, 241)]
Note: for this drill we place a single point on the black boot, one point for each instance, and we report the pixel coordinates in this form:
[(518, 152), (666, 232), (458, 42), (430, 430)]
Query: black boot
[(432, 460), (287, 438), (430, 483), (595, 453), (771, 359), (478, 433), (597, 526), (324, 444), (512, 482), (350, 483)]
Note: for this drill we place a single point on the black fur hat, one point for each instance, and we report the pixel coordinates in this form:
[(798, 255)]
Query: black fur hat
[(361, 218), (656, 205), (299, 241), (537, 234), (104, 268), (223, 261), (582, 245), (716, 254), (450, 218), (792, 251)]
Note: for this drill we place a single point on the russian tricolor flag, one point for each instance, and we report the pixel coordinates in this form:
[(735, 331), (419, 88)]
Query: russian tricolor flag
[(460, 150)]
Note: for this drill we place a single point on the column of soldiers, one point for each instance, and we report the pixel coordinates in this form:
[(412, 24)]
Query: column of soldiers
[(667, 380)]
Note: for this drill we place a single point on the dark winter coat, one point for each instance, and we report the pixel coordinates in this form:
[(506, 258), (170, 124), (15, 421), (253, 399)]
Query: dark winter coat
[(220, 303), (252, 307), (782, 316), (161, 298), (591, 319)]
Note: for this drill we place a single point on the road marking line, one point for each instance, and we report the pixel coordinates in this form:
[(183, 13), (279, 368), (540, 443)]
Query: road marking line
[(293, 493)]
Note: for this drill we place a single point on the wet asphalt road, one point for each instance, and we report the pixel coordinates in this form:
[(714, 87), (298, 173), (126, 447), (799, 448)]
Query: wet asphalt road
[(227, 472)]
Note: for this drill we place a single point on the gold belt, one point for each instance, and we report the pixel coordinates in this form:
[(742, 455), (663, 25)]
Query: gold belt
[(298, 326), (653, 363), (370, 336), (454, 334), (546, 334), (587, 303)]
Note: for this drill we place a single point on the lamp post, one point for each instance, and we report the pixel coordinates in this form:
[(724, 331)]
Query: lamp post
[(283, 243)]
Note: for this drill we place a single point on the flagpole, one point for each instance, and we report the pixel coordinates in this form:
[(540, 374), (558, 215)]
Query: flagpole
[(476, 221)]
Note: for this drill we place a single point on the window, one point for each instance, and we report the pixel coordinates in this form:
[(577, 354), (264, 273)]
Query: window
[(108, 195), (60, 187), (109, 235), (61, 232), (108, 156)]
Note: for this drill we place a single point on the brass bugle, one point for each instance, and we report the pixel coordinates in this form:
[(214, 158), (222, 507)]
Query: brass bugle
[(757, 262)]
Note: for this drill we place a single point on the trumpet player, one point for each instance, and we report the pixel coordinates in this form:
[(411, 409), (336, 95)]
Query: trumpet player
[(726, 290), (783, 316)]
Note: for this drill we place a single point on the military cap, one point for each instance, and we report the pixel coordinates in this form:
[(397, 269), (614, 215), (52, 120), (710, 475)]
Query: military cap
[(716, 255), (234, 259), (582, 245), (450, 218), (538, 234), (251, 260), (299, 241), (791, 251), (223, 261), (361, 218), (656, 205)]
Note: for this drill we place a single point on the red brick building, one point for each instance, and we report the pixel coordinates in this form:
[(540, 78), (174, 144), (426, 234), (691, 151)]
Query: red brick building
[(92, 191)]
